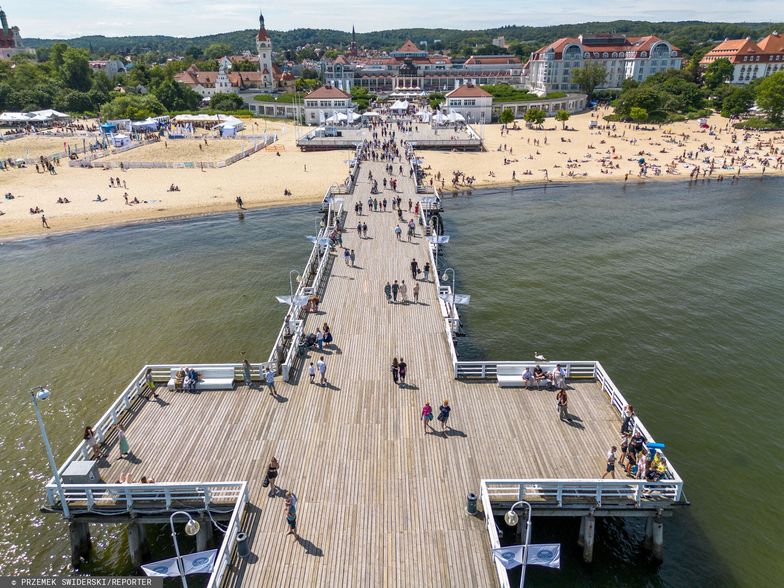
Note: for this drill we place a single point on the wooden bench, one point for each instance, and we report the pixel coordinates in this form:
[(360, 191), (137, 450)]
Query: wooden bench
[(511, 375), (210, 378)]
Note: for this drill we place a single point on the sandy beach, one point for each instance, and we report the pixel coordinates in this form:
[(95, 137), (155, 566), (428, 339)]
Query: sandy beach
[(259, 179), (518, 156)]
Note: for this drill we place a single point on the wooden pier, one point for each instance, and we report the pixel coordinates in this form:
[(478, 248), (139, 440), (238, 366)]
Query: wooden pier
[(381, 502)]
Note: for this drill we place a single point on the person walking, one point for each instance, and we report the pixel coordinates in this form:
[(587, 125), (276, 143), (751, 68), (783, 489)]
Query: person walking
[(398, 232), (404, 292), (148, 381), (426, 272), (562, 402), (270, 377), (246, 372), (427, 417), (346, 256), (272, 474), (322, 368), (312, 372), (403, 370), (320, 339), (443, 414), (353, 257), (327, 333), (395, 288), (291, 520), (388, 293), (395, 370), (414, 268), (125, 448), (364, 230), (610, 462), (45, 224), (415, 293)]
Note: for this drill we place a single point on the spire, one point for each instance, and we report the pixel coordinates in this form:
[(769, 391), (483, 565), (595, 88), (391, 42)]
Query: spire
[(261, 20), (3, 20), (353, 35)]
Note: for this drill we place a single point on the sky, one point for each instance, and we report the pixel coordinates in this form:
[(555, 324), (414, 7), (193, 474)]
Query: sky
[(63, 19)]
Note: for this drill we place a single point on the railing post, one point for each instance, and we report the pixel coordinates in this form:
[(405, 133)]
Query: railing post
[(129, 499), (167, 496), (638, 493), (207, 497), (90, 499), (559, 494), (599, 493)]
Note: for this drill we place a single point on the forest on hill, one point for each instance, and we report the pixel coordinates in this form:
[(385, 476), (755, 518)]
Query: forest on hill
[(688, 35)]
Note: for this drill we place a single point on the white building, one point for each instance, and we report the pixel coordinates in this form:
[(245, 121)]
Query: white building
[(111, 67), (324, 102), (549, 69), (750, 60), (264, 49), (474, 103)]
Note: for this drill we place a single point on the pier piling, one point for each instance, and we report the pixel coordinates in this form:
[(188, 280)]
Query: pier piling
[(79, 534), (137, 543), (658, 538), (589, 527), (204, 536)]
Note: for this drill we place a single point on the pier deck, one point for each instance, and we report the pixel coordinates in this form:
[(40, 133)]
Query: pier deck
[(380, 503)]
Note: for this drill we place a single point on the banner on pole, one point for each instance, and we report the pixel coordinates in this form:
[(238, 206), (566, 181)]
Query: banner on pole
[(548, 555), (201, 562), (165, 568), (510, 557)]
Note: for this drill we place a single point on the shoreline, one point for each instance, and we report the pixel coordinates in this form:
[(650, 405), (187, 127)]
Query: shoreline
[(99, 223)]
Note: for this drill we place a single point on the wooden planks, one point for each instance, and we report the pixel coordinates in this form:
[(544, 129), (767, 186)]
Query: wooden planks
[(380, 502)]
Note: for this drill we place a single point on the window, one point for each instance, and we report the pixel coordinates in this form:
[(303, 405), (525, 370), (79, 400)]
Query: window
[(596, 55), (644, 54), (469, 102), (605, 55)]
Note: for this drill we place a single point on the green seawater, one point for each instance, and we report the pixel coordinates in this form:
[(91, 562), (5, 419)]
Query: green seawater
[(677, 290)]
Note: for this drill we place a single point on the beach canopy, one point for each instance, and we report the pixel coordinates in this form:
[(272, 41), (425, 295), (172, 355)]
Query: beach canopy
[(398, 105), (371, 114), (33, 116), (423, 115), (440, 118), (456, 117)]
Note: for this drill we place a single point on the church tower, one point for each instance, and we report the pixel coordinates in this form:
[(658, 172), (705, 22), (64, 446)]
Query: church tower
[(353, 48), (264, 49)]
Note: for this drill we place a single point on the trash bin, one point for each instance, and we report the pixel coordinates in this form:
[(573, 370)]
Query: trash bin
[(471, 503), (243, 549)]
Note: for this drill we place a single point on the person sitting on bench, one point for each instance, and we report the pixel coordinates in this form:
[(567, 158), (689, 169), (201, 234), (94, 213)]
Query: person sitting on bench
[(528, 378)]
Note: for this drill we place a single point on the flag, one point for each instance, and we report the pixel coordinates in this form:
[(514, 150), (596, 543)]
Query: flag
[(545, 555), (510, 557), (165, 568), (200, 562)]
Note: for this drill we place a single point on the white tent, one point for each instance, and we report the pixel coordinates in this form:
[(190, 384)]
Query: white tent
[(440, 118), (423, 115), (456, 117), (371, 114), (337, 117), (398, 105)]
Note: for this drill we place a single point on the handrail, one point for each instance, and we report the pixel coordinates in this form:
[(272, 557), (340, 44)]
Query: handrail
[(223, 559), (489, 369), (492, 532)]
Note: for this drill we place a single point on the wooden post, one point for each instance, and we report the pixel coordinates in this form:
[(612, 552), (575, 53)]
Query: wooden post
[(648, 542), (658, 538), (137, 543), (204, 536), (581, 535), (79, 534), (590, 526)]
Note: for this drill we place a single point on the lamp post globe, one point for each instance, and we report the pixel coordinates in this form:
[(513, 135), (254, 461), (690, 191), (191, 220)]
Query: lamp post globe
[(192, 527), (511, 518)]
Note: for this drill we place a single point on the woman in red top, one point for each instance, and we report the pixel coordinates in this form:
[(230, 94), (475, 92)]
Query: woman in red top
[(427, 416)]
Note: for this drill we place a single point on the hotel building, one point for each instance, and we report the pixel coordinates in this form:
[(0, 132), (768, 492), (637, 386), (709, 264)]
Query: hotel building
[(750, 60)]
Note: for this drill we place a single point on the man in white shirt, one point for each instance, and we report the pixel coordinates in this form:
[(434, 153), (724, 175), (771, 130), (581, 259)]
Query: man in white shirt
[(322, 368), (528, 378)]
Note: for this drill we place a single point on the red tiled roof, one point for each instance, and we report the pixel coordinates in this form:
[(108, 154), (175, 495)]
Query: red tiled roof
[(326, 92), (773, 43), (409, 47), (468, 91), (262, 36), (492, 60), (630, 44)]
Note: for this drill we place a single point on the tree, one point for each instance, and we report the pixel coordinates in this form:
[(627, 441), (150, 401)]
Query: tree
[(737, 101), (638, 114), (217, 50), (435, 99), (194, 52), (506, 116), (563, 116), (770, 96), (56, 55), (717, 73), (73, 101), (75, 71), (133, 106), (225, 102), (176, 96), (589, 76), (535, 116)]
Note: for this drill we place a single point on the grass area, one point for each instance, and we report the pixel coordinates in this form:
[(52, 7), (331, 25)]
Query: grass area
[(286, 98), (506, 93), (758, 124)]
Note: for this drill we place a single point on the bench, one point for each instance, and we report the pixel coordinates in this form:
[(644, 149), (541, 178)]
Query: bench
[(210, 378), (511, 375)]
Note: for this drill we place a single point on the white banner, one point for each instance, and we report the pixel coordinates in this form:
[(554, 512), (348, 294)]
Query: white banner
[(441, 239), (510, 557), (165, 568), (201, 562), (545, 555)]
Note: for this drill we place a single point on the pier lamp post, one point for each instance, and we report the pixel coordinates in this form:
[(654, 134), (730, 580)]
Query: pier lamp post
[(445, 277), (191, 528), (42, 393), (291, 285), (512, 519)]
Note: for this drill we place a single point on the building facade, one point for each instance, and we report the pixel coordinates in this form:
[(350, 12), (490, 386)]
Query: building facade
[(111, 67), (10, 41), (750, 60), (269, 78), (411, 70), (474, 103), (637, 58), (324, 102)]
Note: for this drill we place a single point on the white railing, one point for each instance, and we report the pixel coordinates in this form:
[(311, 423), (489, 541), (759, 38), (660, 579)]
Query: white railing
[(158, 497), (223, 559), (584, 493), (492, 532), (489, 369)]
